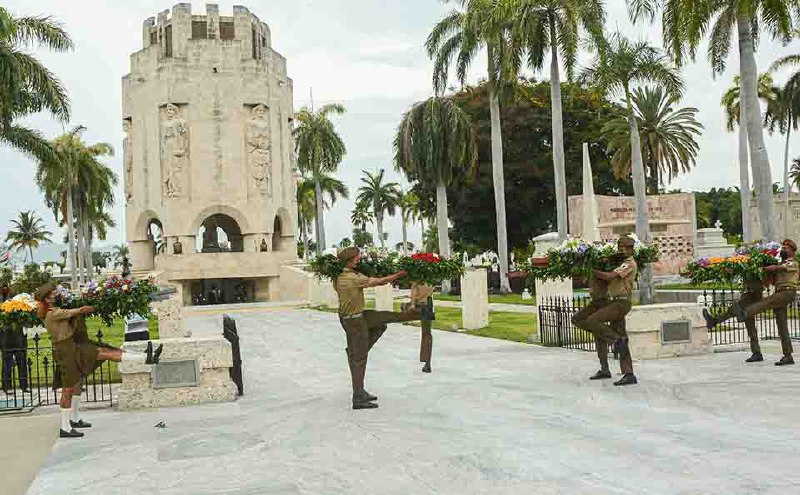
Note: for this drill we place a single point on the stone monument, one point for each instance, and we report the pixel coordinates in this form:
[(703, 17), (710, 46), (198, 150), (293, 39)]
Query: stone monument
[(207, 113), (550, 288), (712, 243)]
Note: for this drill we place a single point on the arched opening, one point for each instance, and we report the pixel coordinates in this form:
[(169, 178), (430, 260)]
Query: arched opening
[(155, 232), (219, 233), (277, 232)]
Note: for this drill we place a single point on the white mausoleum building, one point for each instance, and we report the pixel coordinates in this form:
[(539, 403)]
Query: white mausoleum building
[(208, 156)]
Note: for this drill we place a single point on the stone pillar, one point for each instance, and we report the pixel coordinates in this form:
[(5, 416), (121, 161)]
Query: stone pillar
[(329, 296), (141, 255), (212, 20), (550, 288), (147, 27), (243, 25), (181, 29), (384, 300), (474, 299), (170, 318)]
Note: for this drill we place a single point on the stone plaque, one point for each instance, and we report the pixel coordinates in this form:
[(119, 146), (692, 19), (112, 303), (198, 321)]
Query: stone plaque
[(676, 331), (174, 374)]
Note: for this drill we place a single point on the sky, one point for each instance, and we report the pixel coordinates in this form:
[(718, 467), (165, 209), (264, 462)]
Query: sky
[(365, 54)]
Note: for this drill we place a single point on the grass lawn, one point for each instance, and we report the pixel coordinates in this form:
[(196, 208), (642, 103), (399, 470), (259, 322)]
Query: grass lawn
[(493, 298), (516, 327), (113, 335)]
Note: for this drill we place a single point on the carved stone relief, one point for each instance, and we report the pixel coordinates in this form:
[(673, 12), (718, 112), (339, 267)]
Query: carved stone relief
[(259, 148), (174, 151)]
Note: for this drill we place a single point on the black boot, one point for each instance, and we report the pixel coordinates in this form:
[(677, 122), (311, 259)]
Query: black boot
[(710, 321), (157, 353), (755, 358), (786, 359), (361, 401), (80, 424), (600, 375), (427, 367), (70, 434), (627, 379), (149, 352)]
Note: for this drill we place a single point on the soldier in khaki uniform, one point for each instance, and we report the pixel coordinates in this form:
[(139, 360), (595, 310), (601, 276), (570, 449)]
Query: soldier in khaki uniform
[(607, 322), (598, 290), (753, 292), (786, 283), (75, 355), (421, 299), (362, 327)]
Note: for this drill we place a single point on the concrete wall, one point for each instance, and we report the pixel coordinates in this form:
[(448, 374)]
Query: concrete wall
[(643, 325)]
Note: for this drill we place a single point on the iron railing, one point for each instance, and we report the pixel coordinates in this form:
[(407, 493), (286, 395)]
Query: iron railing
[(37, 382), (556, 328)]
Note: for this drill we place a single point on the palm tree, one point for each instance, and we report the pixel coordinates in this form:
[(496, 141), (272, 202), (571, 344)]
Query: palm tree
[(734, 112), (118, 252), (553, 25), (435, 144), (461, 35), (319, 152), (667, 133), (77, 186), (361, 216), (27, 232), (794, 172), (619, 66), (685, 24), (409, 211), (308, 204), (786, 120), (27, 86), (383, 197)]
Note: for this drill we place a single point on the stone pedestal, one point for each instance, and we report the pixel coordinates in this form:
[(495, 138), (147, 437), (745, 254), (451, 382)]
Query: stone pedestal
[(550, 288), (647, 340), (200, 367), (322, 293), (712, 243), (384, 300), (474, 299)]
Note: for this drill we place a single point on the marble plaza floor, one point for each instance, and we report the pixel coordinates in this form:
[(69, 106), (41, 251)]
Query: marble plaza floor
[(494, 417)]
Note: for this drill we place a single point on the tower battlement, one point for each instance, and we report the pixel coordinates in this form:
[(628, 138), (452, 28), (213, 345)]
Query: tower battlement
[(172, 31)]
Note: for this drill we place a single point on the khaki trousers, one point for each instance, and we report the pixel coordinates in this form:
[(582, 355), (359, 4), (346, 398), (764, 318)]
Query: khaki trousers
[(363, 332), (778, 303), (745, 300), (605, 319), (426, 343)]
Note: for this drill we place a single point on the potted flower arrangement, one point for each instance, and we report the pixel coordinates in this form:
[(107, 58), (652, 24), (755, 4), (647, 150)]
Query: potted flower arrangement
[(746, 265), (112, 297), (430, 268), (20, 311)]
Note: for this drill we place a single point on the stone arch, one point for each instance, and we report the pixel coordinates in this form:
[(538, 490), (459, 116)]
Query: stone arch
[(141, 231), (228, 211), (285, 220), (212, 227)]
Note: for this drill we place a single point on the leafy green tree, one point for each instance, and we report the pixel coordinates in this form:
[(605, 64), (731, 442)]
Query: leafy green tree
[(26, 85), (539, 26), (27, 232), (320, 150), (32, 278), (461, 35), (668, 137), (362, 238), (619, 66), (383, 198), (435, 146)]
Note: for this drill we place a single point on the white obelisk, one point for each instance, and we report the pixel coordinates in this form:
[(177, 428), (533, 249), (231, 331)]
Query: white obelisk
[(590, 231)]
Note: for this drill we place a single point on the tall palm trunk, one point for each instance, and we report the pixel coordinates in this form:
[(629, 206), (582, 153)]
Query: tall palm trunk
[(73, 266), (379, 226), (319, 220), (755, 132), (558, 141), (642, 224), (786, 188), (497, 177), (744, 176), (30, 250), (87, 254), (81, 248), (422, 238), (441, 227), (304, 238), (405, 233)]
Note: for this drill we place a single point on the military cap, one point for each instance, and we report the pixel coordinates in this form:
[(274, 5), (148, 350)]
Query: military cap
[(347, 254)]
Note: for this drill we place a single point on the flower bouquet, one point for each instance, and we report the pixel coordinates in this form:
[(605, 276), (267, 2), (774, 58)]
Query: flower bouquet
[(374, 263), (746, 265), (114, 297), (20, 311), (430, 268)]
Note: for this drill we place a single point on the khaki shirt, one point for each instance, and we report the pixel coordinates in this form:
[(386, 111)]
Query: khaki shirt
[(598, 289), (60, 323), (350, 287), (420, 292), (622, 286), (787, 279)]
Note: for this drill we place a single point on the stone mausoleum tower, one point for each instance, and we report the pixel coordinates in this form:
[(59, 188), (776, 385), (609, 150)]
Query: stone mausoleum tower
[(208, 156)]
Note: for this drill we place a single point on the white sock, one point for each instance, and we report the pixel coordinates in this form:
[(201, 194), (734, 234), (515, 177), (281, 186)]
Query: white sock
[(135, 357), (65, 415), (76, 403)]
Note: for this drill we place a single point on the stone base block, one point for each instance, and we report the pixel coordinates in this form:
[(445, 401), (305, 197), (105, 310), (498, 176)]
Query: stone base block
[(214, 358), (136, 391), (644, 331), (553, 288), (474, 300), (384, 298)]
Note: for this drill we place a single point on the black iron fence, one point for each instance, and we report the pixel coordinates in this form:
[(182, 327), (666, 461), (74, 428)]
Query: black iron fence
[(556, 328), (31, 377)]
